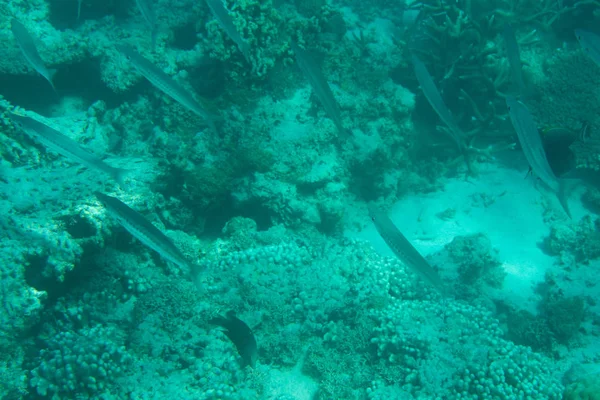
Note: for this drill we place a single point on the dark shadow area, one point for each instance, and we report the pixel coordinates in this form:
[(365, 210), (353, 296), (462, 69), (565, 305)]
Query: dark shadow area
[(34, 277), (63, 13), (208, 78), (217, 217), (82, 80), (31, 92), (79, 227), (185, 37), (583, 17)]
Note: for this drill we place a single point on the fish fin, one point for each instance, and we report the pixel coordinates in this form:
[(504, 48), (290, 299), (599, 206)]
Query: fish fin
[(50, 78), (562, 196)]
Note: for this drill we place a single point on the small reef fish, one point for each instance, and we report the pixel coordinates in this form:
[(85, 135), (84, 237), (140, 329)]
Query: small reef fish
[(533, 148), (433, 96), (144, 231), (165, 83), (240, 335), (404, 250), (590, 43), (27, 46), (147, 11), (61, 144), (319, 85), (514, 58), (79, 9), (224, 19)]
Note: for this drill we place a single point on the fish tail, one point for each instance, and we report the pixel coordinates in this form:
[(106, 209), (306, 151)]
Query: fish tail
[(468, 160), (50, 78), (562, 196)]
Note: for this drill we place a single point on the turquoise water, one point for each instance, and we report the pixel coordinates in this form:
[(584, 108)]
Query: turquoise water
[(299, 200)]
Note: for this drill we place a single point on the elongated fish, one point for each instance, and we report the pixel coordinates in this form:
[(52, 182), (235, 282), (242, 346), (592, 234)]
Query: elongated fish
[(143, 230), (27, 46), (533, 148), (514, 58), (165, 83), (405, 251), (240, 334), (224, 19), (590, 43), (319, 84), (433, 96), (56, 141), (147, 11)]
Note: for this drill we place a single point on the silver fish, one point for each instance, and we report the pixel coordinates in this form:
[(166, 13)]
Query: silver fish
[(224, 19), (67, 147), (165, 83), (433, 96), (590, 43), (319, 84), (404, 250), (27, 46), (147, 11), (533, 148), (514, 58), (143, 230)]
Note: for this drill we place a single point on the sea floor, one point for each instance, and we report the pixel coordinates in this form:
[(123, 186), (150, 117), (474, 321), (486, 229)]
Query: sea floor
[(513, 210)]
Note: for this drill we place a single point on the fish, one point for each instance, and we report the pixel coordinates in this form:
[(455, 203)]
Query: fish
[(147, 11), (404, 250), (240, 335), (79, 9), (514, 58), (165, 83), (319, 84), (144, 231), (533, 148), (67, 147), (433, 96), (222, 16), (590, 42), (29, 50)]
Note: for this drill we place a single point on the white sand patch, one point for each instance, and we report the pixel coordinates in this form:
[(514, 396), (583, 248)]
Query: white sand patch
[(501, 203)]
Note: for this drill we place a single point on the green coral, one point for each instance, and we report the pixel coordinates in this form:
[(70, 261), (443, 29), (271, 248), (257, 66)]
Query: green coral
[(578, 241), (530, 330), (476, 260), (558, 321), (587, 388), (564, 315)]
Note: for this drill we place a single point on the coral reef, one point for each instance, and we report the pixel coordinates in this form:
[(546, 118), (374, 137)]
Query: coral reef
[(585, 389), (576, 242), (264, 204), (79, 363)]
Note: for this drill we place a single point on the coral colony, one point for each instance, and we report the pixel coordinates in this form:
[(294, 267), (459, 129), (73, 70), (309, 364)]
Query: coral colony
[(300, 199)]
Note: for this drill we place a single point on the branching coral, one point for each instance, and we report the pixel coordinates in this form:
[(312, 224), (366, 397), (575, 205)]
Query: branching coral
[(268, 33)]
